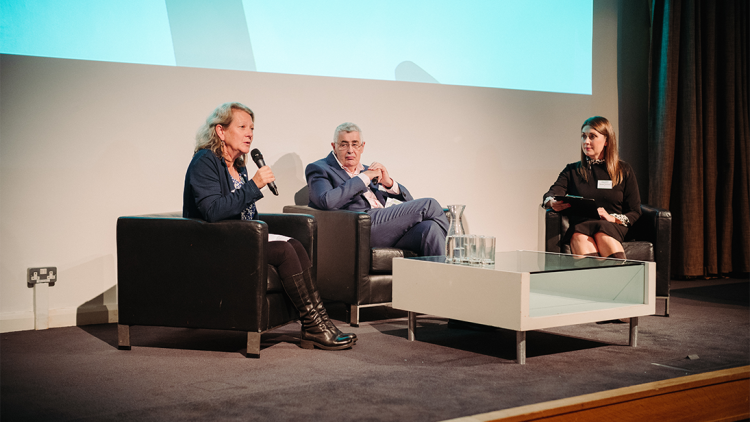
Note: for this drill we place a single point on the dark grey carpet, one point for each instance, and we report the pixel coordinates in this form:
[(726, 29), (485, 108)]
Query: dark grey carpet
[(77, 373)]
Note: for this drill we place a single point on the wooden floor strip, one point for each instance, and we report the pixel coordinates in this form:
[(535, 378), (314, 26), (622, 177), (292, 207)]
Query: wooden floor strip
[(713, 396)]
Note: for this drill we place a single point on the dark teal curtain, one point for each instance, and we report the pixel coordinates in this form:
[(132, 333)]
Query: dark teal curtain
[(699, 130)]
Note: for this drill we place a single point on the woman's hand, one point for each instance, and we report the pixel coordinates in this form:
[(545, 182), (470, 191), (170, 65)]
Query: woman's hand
[(559, 205), (604, 215), (263, 176)]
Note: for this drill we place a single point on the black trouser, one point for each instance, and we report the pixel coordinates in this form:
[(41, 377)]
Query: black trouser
[(288, 257)]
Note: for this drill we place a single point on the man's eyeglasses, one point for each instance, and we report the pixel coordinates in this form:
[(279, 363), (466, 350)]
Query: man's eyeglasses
[(343, 146)]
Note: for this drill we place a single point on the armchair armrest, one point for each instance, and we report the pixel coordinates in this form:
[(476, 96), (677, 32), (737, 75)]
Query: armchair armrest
[(651, 225), (344, 245), (552, 230), (189, 273), (655, 226), (302, 227)]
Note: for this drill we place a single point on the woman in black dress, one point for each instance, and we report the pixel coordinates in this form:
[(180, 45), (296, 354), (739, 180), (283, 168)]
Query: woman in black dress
[(602, 176), (217, 187)]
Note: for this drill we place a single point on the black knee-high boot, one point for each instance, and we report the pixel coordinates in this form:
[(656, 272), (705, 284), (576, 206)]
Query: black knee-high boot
[(317, 302), (315, 332)]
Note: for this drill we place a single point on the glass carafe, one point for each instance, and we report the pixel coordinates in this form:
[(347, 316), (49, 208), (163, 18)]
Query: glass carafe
[(455, 218), (455, 228)]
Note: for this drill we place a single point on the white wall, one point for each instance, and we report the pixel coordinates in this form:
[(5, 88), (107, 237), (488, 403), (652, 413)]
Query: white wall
[(82, 143)]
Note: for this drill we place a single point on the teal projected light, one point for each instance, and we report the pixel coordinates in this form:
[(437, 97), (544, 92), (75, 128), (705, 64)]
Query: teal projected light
[(130, 31), (539, 45)]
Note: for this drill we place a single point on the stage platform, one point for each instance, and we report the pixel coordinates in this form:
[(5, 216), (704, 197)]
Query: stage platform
[(77, 373)]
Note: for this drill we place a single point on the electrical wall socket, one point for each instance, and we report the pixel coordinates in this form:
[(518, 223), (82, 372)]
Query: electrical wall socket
[(41, 275)]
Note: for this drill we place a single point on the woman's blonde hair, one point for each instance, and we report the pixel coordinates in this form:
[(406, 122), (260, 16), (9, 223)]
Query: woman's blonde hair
[(611, 152), (206, 138)]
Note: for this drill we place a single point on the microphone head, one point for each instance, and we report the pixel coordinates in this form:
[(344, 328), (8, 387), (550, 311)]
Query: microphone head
[(257, 157)]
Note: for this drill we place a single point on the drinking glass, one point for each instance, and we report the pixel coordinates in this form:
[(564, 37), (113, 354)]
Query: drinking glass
[(472, 246), (488, 250)]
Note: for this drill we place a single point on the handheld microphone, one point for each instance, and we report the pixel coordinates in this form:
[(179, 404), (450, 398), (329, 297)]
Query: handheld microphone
[(375, 180), (258, 158)]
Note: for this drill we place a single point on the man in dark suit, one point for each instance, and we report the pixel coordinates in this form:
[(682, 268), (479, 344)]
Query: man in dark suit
[(341, 181)]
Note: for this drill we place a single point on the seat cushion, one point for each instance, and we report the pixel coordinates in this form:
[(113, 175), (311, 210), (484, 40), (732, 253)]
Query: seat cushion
[(381, 261), (639, 250)]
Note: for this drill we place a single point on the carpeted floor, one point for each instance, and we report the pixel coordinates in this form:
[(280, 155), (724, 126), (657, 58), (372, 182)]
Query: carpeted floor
[(78, 374)]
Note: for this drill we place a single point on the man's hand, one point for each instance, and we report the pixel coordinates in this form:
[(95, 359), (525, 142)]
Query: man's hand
[(263, 176), (373, 173), (385, 179)]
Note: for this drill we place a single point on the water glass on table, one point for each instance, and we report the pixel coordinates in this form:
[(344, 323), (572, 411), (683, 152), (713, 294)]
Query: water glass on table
[(488, 250), (472, 250)]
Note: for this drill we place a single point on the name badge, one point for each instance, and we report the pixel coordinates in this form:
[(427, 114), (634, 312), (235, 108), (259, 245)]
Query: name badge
[(605, 184)]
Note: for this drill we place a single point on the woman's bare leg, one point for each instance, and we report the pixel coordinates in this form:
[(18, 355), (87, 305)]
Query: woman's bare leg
[(580, 244), (607, 245)]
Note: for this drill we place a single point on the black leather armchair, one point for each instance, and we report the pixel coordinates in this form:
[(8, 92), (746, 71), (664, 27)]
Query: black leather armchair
[(349, 271), (178, 272), (650, 239)]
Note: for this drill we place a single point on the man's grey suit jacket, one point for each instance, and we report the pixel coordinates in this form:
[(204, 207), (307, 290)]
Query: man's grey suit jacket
[(331, 188)]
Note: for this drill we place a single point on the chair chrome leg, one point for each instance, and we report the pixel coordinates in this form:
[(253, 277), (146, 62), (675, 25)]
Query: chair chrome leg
[(666, 304), (123, 337), (633, 332), (253, 345), (411, 330), (354, 315)]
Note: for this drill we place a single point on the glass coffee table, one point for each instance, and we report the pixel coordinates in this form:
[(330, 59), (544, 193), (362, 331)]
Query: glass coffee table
[(526, 290)]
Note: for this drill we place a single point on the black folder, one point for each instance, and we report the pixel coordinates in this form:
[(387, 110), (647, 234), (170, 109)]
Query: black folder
[(585, 207)]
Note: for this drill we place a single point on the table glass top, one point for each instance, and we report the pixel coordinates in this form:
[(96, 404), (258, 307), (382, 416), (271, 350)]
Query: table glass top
[(540, 262)]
